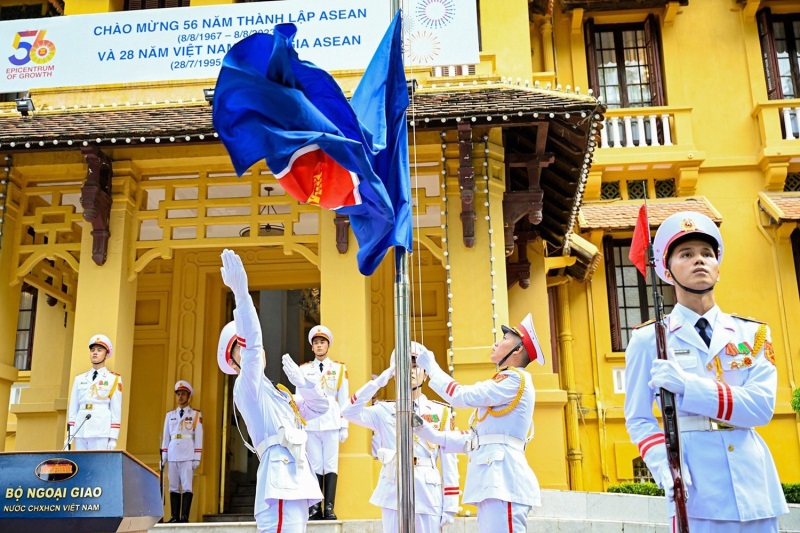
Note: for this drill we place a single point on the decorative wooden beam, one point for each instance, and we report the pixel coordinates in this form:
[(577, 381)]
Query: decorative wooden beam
[(519, 271), (342, 223), (96, 200), (466, 184), (517, 204)]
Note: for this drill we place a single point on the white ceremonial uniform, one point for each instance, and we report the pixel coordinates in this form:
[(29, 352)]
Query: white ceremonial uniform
[(323, 431), (499, 479), (286, 486), (181, 444), (102, 399), (730, 391), (434, 492)]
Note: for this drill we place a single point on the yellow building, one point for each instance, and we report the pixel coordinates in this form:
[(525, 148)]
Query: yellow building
[(117, 200)]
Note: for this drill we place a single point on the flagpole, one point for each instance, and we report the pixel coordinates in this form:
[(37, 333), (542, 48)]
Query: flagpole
[(405, 408)]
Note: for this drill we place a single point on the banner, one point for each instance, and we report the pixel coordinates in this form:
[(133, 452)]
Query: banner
[(190, 42)]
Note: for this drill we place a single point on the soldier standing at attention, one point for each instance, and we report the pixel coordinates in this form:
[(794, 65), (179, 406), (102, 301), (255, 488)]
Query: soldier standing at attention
[(499, 479), (722, 370), (181, 448), (275, 419), (95, 404), (327, 431)]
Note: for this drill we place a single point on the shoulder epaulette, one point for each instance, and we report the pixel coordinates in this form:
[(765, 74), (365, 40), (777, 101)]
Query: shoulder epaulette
[(338, 362), (748, 318), (110, 372), (643, 324), (437, 402)]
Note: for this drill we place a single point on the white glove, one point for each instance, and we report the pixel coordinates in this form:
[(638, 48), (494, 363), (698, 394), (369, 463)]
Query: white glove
[(668, 375), (664, 480), (195, 464), (233, 274), (342, 434), (294, 374), (427, 361), (447, 518), (112, 444), (164, 460), (385, 376), (428, 433)]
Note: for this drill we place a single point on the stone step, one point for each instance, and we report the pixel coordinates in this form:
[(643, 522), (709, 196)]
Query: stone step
[(563, 511)]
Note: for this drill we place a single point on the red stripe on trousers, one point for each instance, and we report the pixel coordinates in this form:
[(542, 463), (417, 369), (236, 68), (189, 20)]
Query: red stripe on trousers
[(280, 515), (510, 519)]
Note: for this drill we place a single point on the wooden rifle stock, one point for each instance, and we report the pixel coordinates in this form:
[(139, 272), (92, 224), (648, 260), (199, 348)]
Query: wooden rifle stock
[(669, 411)]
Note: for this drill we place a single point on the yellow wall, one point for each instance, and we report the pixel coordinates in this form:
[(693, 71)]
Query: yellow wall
[(165, 319)]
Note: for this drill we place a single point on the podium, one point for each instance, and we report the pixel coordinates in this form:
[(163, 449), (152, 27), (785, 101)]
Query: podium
[(77, 492)]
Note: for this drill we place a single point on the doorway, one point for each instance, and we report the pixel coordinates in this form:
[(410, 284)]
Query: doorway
[(286, 317)]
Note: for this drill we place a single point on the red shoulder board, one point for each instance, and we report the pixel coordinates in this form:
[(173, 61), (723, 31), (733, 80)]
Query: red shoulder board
[(499, 377)]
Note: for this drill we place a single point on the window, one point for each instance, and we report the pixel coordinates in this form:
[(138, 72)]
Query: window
[(795, 240), (23, 349), (624, 62), (637, 189), (630, 297), (641, 474), (780, 43)]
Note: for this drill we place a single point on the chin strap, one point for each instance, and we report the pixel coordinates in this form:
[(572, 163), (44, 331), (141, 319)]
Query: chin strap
[(514, 349), (687, 289)]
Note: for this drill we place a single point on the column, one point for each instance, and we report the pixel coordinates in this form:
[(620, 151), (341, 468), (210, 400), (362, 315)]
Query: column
[(106, 299), (567, 366), (345, 309)]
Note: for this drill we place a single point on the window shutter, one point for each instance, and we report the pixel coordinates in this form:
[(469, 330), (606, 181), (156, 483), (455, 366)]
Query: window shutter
[(768, 54), (652, 42), (591, 57)]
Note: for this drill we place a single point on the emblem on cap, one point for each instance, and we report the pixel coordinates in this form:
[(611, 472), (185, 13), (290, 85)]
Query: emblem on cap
[(687, 224)]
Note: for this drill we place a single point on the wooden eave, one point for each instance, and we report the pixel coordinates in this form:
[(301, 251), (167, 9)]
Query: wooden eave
[(569, 120), (612, 5)]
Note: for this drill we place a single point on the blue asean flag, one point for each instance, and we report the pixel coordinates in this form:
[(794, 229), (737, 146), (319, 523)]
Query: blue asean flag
[(269, 104), (380, 102)]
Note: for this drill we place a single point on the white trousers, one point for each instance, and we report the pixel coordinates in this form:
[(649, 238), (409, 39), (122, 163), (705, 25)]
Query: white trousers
[(283, 516), (423, 523), (698, 525), (497, 516), (323, 451), (94, 443), (180, 475)]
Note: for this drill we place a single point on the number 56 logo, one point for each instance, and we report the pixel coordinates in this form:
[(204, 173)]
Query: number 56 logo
[(32, 46)]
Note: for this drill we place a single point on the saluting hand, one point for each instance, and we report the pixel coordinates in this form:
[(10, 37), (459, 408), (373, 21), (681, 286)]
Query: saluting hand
[(294, 374), (233, 274), (385, 376), (427, 361)]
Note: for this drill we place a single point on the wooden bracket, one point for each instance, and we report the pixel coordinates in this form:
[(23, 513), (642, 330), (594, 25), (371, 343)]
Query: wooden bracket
[(342, 223), (519, 271), (466, 184), (96, 200)]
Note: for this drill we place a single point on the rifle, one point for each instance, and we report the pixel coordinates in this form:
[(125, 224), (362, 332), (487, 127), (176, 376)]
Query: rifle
[(669, 412)]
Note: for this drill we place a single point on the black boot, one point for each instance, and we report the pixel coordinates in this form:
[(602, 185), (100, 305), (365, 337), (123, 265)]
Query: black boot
[(330, 495), (186, 506), (315, 511), (175, 506)]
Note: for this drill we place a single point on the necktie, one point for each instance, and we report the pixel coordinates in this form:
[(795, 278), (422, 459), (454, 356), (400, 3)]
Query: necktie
[(320, 367), (94, 376), (181, 413), (701, 326)]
